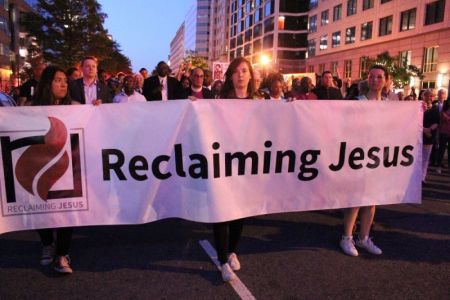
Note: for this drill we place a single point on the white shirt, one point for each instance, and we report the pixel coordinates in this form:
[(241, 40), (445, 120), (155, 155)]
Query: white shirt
[(163, 81), (122, 97), (90, 92)]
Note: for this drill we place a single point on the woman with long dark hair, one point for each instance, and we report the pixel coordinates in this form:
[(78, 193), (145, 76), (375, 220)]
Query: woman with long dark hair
[(53, 90), (238, 85)]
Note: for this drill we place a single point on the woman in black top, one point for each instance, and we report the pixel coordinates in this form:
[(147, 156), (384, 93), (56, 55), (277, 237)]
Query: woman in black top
[(238, 85), (53, 90)]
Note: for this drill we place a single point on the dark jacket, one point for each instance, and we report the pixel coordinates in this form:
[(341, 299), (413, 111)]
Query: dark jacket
[(430, 117), (330, 93), (152, 88), (207, 94), (76, 90)]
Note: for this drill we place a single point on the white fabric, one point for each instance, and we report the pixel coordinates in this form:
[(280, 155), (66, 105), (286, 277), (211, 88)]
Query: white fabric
[(163, 81), (90, 91), (175, 137), (122, 97)]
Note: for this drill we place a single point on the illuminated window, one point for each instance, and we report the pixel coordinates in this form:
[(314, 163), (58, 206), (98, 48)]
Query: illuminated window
[(323, 42), (366, 31), (385, 26), (335, 39), (408, 20), (430, 57)]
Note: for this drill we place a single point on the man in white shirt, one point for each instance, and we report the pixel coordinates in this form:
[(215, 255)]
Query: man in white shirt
[(128, 94), (88, 89), (161, 86)]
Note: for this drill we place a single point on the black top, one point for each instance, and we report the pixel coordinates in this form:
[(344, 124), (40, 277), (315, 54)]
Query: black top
[(330, 93), (185, 93), (25, 89), (430, 117)]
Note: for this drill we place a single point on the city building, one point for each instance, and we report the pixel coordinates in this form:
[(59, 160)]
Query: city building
[(343, 33), (196, 28), (272, 34), (219, 30), (12, 41), (177, 48)]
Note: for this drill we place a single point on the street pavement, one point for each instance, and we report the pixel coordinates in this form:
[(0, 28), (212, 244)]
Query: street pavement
[(283, 256)]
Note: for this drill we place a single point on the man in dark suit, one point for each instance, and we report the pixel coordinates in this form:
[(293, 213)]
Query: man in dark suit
[(161, 86), (88, 89), (197, 90), (326, 89)]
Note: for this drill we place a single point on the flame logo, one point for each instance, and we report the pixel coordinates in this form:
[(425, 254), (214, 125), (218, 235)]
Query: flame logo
[(42, 165)]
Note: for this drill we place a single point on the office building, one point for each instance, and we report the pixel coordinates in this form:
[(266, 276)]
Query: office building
[(272, 34), (343, 33)]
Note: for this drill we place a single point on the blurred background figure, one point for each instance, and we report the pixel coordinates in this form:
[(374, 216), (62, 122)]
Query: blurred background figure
[(139, 82), (217, 88), (257, 80), (128, 94), (28, 89), (303, 89), (275, 84), (73, 74)]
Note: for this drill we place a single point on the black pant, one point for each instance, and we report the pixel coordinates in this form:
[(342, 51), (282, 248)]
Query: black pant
[(63, 239), (226, 238), (444, 142)]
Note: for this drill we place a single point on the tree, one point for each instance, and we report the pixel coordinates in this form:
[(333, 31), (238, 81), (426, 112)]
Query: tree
[(195, 60), (400, 70), (67, 30)]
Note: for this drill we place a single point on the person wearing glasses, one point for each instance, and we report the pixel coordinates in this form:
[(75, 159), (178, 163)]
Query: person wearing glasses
[(197, 89)]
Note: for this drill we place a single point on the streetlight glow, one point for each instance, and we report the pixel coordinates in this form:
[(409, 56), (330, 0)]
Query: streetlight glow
[(265, 60)]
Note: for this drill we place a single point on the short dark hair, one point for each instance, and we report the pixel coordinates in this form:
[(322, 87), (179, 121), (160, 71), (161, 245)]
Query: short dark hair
[(70, 71), (327, 72), (380, 67), (142, 69)]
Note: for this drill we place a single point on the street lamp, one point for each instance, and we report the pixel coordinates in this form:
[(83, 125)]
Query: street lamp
[(265, 61)]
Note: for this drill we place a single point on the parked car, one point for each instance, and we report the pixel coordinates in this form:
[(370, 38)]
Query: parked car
[(6, 100)]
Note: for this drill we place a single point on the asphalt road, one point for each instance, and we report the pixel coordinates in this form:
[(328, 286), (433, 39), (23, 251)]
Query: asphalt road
[(283, 256)]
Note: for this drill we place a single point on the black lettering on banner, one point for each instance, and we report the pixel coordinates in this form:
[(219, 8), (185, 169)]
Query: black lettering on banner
[(202, 166), (308, 158), (179, 160), (156, 170), (341, 161), (216, 160), (394, 160), (408, 156), (356, 155), (138, 163), (242, 158), (371, 155), (116, 166), (267, 156), (279, 161)]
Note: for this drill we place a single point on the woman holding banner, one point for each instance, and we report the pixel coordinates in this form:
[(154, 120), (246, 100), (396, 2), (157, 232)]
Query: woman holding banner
[(53, 90), (377, 80), (238, 85)]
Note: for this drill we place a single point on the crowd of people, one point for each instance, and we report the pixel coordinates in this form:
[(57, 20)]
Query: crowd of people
[(87, 85)]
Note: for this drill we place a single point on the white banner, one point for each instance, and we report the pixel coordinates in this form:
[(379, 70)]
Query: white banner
[(206, 161)]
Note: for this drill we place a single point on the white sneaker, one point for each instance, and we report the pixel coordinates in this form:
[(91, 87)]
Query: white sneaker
[(62, 265), (348, 246), (234, 262), (227, 273), (48, 255), (369, 246)]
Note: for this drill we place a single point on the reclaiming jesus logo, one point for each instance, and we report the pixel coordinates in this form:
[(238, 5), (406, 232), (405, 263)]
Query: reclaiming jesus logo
[(42, 164)]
